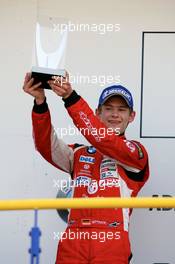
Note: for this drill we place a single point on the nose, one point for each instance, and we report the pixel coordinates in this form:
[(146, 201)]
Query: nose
[(115, 113)]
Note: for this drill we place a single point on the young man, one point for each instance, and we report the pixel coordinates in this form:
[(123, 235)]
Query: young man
[(111, 167)]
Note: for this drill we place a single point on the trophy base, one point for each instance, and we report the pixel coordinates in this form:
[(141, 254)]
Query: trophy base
[(43, 75)]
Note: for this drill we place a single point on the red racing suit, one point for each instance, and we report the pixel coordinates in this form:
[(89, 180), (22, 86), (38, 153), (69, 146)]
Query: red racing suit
[(111, 167)]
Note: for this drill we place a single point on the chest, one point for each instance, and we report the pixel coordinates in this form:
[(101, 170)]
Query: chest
[(92, 164)]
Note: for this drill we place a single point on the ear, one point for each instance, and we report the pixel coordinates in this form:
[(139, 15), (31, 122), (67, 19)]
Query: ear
[(97, 112), (132, 116)]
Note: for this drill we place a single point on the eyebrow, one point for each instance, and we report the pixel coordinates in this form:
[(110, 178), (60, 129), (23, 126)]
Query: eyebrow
[(121, 106)]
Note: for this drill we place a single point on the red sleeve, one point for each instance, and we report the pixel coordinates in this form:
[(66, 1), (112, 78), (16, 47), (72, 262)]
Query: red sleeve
[(53, 149), (131, 155)]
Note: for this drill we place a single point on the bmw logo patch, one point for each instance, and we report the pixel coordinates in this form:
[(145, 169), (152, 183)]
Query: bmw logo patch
[(91, 150)]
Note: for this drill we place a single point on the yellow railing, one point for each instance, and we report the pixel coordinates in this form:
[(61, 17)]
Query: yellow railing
[(63, 203)]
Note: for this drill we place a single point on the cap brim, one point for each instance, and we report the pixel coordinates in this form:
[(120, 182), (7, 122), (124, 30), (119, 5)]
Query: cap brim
[(116, 94)]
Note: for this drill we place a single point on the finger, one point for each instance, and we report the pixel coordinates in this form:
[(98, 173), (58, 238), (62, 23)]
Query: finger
[(57, 79), (60, 82), (58, 89), (56, 83), (56, 86), (34, 87), (28, 84), (67, 76), (65, 79), (29, 87), (27, 77)]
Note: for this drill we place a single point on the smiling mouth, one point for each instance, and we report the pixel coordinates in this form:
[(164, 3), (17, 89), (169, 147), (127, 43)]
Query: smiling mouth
[(114, 122)]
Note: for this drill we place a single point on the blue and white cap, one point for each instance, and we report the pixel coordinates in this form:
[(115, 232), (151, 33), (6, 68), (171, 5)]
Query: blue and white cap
[(116, 90)]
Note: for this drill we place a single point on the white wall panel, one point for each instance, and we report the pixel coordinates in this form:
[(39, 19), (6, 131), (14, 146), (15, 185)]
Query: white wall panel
[(25, 174)]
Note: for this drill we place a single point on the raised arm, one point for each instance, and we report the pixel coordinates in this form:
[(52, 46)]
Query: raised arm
[(53, 149), (131, 155)]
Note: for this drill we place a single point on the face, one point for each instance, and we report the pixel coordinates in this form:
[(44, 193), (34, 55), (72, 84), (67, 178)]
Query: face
[(116, 114)]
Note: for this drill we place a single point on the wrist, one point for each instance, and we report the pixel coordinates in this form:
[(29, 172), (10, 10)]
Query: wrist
[(71, 99), (40, 108), (39, 101), (67, 95)]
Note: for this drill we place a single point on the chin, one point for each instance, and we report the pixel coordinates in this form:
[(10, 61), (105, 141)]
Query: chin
[(117, 130)]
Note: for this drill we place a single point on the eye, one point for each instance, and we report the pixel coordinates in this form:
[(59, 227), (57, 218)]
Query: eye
[(122, 109), (108, 108)]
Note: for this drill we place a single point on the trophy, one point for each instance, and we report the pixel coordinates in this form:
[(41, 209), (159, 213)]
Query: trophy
[(49, 51)]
